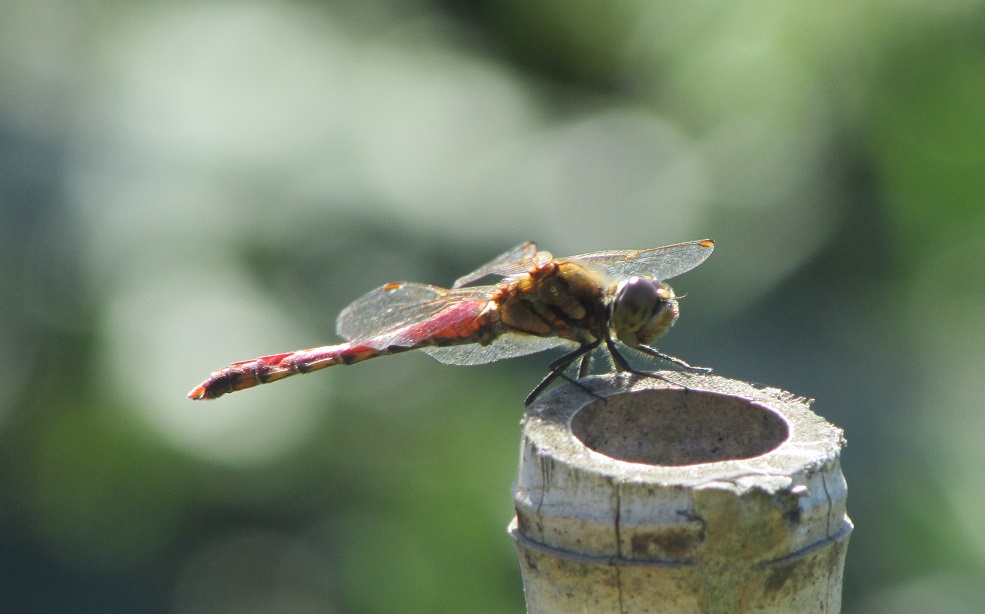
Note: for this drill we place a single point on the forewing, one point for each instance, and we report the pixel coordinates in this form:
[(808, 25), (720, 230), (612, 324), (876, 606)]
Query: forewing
[(388, 309), (507, 345), (660, 263), (517, 260)]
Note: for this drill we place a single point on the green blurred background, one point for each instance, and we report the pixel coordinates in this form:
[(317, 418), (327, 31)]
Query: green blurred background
[(187, 184)]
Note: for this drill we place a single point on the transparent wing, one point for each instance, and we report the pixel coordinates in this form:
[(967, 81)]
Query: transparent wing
[(507, 345), (517, 260), (397, 306), (660, 263), (407, 314)]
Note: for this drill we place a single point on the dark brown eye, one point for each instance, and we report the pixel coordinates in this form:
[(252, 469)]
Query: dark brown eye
[(638, 295), (635, 302)]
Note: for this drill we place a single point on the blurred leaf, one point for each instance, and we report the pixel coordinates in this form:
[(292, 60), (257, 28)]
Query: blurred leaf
[(98, 493), (928, 136)]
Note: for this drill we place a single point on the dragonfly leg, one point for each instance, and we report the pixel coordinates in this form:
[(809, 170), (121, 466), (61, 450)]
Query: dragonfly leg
[(677, 361), (573, 382), (586, 362), (557, 369), (622, 365), (618, 359)]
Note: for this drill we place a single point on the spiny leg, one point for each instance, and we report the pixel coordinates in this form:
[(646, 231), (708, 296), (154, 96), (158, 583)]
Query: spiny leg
[(677, 361), (557, 369), (620, 362), (586, 362), (622, 365)]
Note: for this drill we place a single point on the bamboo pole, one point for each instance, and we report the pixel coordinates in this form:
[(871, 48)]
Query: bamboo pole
[(718, 498)]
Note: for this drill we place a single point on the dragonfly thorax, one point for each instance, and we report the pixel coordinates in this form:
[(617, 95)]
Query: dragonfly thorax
[(641, 310)]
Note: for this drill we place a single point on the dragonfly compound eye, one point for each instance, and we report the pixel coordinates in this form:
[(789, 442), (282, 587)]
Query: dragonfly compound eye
[(636, 301)]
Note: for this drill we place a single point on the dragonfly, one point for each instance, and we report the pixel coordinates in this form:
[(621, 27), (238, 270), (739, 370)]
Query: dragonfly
[(608, 300)]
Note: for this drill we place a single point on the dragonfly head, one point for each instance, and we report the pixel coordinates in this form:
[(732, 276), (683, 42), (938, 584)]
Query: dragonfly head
[(641, 310)]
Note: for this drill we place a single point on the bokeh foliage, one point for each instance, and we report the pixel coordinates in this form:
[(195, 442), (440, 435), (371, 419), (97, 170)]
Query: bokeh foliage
[(186, 185)]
